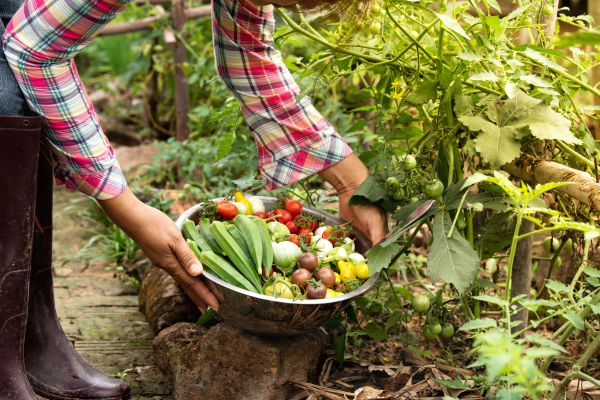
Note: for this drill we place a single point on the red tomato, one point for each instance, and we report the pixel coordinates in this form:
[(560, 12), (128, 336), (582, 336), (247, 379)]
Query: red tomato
[(285, 217), (294, 239), (285, 201), (279, 211), (265, 272), (222, 202), (228, 211), (304, 231), (292, 226), (313, 226), (294, 207), (327, 232), (260, 215), (271, 214), (318, 292)]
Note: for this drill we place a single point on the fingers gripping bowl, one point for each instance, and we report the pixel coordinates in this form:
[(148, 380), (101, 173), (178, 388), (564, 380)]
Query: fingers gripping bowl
[(270, 316)]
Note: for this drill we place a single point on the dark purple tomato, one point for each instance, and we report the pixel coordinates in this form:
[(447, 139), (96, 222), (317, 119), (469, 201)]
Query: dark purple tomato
[(300, 276), (318, 292), (327, 276), (308, 261)]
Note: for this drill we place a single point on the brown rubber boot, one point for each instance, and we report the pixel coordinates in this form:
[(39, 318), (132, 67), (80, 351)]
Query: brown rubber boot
[(19, 147), (55, 370)]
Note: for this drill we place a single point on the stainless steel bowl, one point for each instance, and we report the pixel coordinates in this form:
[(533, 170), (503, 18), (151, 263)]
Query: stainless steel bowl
[(269, 316)]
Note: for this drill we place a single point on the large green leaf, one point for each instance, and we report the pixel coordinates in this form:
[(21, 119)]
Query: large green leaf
[(451, 259), (510, 120), (584, 38), (497, 236), (370, 191), (381, 257), (422, 94)]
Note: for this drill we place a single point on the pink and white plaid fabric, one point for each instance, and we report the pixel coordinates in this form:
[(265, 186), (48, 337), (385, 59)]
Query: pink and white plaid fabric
[(294, 140)]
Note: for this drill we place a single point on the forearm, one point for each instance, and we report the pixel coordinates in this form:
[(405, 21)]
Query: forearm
[(40, 43), (347, 175)]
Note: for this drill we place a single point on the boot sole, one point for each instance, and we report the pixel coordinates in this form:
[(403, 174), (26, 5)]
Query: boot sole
[(55, 397)]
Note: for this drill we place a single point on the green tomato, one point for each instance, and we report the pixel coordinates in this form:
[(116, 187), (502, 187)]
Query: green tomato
[(414, 199), (393, 183), (434, 189), (427, 334), (421, 303), (406, 318), (408, 162), (182, 196), (450, 47), (568, 246), (187, 187), (557, 263), (550, 244), (586, 210), (375, 28), (376, 9), (460, 222), (430, 296), (560, 160), (447, 331), (548, 9), (527, 21), (553, 220), (398, 195), (435, 328)]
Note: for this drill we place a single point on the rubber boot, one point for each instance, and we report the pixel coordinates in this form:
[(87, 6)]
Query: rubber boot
[(55, 370), (19, 147)]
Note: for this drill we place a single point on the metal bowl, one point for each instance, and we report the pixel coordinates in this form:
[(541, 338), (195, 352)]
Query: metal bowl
[(269, 316)]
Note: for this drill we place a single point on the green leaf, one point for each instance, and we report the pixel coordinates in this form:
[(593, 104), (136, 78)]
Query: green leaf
[(451, 259), (575, 319), (584, 38), (470, 55), (592, 272), (494, 4), (479, 324), (490, 299), (380, 257), (558, 287), (404, 118), (370, 191), (375, 331), (351, 313), (457, 384), (340, 348), (423, 94), (358, 125), (533, 305), (495, 146), (393, 320), (403, 291), (452, 24), (536, 81), (511, 120), (539, 57), (225, 145), (550, 52), (497, 235), (463, 105), (485, 76)]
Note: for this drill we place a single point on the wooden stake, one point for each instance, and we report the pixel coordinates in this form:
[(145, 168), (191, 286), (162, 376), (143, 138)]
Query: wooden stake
[(182, 90)]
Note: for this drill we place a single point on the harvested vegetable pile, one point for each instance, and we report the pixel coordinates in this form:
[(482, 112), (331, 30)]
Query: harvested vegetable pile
[(283, 253)]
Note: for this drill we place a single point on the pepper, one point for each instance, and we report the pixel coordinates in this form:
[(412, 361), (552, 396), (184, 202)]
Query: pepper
[(347, 272), (239, 197)]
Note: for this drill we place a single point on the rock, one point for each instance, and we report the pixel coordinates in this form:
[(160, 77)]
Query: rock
[(164, 303), (227, 363)]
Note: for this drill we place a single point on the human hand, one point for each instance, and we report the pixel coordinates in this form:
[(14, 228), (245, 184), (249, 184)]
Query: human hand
[(161, 241), (346, 176)]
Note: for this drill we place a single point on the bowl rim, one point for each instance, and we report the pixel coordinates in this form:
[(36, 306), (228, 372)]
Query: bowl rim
[(368, 284)]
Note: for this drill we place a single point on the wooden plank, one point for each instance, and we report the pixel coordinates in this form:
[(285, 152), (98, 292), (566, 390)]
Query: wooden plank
[(182, 89), (146, 23)]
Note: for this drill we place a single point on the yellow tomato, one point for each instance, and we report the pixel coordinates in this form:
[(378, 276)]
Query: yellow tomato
[(362, 271), (331, 293), (347, 272), (338, 278), (279, 290), (239, 197)]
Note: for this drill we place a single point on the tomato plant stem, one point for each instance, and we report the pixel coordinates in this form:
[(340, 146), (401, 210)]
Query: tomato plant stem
[(551, 268), (512, 258)]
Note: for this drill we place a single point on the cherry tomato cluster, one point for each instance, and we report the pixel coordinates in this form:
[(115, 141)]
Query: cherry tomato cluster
[(426, 304), (337, 233)]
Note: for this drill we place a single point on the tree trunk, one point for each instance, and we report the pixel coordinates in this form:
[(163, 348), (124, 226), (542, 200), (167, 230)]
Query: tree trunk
[(521, 273), (182, 89)]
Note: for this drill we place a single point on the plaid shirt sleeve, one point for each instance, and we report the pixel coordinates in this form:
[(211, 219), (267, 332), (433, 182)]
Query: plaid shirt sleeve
[(294, 140), (40, 43)]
